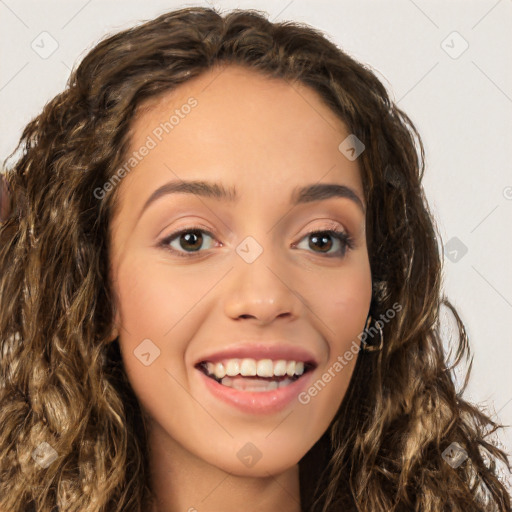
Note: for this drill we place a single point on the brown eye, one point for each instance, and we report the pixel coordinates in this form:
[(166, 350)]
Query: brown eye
[(188, 240), (192, 239), (322, 242)]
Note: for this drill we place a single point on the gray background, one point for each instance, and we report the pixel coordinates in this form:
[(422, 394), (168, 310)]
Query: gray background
[(461, 102)]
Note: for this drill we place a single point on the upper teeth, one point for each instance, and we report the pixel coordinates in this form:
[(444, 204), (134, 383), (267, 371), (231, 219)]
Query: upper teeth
[(252, 367)]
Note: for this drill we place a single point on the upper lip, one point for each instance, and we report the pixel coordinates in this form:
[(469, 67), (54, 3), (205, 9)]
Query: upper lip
[(261, 350)]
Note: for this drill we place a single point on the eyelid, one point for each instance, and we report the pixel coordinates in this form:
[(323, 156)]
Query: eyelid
[(330, 225)]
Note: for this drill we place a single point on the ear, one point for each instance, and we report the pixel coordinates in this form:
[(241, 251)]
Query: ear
[(115, 328), (113, 335)]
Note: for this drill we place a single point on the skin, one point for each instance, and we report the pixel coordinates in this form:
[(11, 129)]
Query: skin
[(264, 137)]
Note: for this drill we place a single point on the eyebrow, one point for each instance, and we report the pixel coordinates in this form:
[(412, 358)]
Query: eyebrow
[(300, 195)]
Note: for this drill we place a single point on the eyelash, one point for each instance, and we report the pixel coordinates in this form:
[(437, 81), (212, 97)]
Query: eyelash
[(344, 238)]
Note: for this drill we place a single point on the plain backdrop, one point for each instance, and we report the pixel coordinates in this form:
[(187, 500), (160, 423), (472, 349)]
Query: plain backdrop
[(446, 63)]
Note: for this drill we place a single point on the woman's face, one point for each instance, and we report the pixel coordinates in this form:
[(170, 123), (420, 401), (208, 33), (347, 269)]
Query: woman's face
[(247, 281)]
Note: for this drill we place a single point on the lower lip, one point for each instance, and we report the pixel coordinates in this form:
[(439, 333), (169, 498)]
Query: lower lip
[(257, 402)]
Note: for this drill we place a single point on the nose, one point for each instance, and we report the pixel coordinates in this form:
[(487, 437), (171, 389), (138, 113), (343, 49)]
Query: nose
[(261, 291)]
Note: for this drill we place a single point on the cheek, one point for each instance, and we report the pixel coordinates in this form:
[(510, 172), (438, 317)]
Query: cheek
[(154, 299), (348, 311), (347, 315), (149, 313), (157, 318), (341, 300)]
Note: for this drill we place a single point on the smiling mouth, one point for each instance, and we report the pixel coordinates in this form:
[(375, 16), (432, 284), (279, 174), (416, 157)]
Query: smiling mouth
[(254, 382)]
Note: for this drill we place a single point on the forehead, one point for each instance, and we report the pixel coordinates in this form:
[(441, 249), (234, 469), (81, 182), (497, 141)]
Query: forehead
[(262, 134), (234, 95)]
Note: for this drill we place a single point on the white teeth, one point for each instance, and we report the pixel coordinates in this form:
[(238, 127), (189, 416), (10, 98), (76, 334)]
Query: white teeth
[(273, 384), (252, 385), (290, 368), (265, 368), (233, 367), (247, 368), (251, 367), (220, 370), (280, 368)]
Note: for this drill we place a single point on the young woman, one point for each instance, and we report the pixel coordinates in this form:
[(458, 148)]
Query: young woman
[(221, 287)]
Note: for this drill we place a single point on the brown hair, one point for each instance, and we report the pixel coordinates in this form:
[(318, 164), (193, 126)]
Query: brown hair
[(62, 382), (5, 198)]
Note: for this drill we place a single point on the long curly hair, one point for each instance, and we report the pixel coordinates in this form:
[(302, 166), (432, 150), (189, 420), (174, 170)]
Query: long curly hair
[(64, 395)]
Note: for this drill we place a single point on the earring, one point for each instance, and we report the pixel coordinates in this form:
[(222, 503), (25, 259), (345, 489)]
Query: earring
[(373, 348)]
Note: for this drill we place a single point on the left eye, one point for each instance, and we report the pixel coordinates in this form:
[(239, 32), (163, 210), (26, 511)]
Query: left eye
[(323, 239)]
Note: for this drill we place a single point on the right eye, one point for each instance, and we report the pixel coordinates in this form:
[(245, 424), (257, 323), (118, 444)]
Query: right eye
[(190, 237)]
